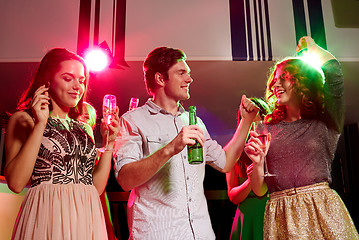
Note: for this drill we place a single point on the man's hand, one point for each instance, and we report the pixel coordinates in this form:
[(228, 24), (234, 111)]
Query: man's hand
[(187, 136)]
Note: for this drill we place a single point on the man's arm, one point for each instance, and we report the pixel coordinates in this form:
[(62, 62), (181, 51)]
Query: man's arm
[(139, 172), (235, 146)]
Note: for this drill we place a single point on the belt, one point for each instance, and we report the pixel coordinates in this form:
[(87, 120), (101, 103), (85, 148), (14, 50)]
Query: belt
[(298, 190)]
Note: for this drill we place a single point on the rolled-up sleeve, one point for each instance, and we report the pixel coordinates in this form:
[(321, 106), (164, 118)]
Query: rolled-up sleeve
[(215, 155), (128, 147)]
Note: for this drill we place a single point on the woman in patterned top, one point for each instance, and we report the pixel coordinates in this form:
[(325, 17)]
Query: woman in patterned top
[(304, 128), (48, 146)]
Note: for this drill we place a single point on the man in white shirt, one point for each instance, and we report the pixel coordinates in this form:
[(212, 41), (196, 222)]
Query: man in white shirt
[(167, 200)]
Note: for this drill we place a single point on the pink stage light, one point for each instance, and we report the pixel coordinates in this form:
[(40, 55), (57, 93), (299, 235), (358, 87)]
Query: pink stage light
[(97, 59)]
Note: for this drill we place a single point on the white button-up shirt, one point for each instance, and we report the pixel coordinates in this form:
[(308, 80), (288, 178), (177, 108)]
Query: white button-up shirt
[(172, 204)]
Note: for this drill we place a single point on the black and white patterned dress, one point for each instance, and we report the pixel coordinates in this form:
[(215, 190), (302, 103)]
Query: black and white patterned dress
[(62, 202)]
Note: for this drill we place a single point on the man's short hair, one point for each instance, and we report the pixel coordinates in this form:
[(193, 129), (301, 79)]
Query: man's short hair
[(160, 60)]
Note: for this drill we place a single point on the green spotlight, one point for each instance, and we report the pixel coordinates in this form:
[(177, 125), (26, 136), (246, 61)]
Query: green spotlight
[(313, 60)]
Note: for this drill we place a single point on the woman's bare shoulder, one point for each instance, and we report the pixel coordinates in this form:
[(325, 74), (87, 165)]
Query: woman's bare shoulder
[(21, 118)]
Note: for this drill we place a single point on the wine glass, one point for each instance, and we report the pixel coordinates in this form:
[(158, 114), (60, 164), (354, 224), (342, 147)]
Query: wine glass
[(263, 137), (108, 112)]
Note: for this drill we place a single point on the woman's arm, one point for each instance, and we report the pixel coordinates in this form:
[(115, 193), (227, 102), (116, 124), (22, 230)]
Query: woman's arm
[(234, 147), (334, 95), (255, 176), (334, 83), (23, 140), (103, 167), (237, 192), (255, 171), (309, 44), (22, 144)]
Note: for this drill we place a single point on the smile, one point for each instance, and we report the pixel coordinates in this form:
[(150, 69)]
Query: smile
[(279, 92), (74, 95)]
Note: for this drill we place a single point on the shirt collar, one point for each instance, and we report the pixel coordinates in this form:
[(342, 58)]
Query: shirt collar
[(155, 109)]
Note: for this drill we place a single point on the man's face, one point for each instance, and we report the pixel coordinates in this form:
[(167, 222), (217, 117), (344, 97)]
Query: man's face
[(179, 79)]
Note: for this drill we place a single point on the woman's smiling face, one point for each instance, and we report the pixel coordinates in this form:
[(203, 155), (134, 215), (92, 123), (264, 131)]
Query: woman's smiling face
[(283, 88), (68, 84)]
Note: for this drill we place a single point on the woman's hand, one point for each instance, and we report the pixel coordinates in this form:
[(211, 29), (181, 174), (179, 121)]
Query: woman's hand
[(255, 149), (313, 48), (249, 170), (247, 110), (40, 105), (111, 129)]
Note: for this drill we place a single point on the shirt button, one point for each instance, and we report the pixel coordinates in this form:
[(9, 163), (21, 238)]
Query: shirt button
[(190, 199), (187, 178)]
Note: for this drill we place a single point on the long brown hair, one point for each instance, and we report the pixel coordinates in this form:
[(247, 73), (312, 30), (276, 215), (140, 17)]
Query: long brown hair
[(48, 67), (308, 85)]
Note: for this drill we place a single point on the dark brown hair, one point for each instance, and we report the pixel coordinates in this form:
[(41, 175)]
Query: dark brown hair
[(48, 67), (160, 60)]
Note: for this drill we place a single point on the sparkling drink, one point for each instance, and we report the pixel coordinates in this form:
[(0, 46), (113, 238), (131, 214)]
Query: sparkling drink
[(109, 107), (108, 111), (133, 104)]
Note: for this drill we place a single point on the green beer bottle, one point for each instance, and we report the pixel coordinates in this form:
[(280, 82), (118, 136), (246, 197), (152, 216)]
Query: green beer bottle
[(195, 152)]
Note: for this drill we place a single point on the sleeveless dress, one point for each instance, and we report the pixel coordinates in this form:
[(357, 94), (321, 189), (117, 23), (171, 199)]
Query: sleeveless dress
[(248, 221), (62, 202)]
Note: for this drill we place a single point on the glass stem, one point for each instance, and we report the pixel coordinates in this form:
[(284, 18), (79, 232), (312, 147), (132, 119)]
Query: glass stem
[(106, 140), (265, 166)]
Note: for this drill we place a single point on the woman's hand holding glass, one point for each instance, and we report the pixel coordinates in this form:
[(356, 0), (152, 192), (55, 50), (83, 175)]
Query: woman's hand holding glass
[(257, 149), (109, 129), (109, 123)]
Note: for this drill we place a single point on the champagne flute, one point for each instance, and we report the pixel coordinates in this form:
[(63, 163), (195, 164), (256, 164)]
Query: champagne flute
[(108, 112), (133, 104), (263, 137)]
